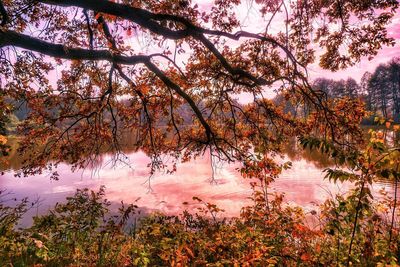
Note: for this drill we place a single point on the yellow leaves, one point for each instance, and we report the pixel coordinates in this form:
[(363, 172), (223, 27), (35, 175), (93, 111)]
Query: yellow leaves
[(382, 208), (379, 120), (3, 140), (396, 127), (377, 137)]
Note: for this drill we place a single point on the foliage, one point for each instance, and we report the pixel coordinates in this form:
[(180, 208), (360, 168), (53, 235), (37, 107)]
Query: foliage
[(107, 88), (107, 84), (378, 160), (357, 229), (379, 90), (5, 110), (82, 232), (383, 89)]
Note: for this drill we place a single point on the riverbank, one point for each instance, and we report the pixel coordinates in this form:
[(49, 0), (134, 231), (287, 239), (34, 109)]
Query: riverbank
[(82, 232)]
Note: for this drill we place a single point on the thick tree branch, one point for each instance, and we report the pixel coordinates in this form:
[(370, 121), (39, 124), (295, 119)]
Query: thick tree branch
[(185, 96), (139, 16), (11, 38), (90, 31), (4, 14), (107, 32), (149, 20)]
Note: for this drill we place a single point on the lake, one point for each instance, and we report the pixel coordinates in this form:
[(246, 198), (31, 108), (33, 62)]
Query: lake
[(129, 181)]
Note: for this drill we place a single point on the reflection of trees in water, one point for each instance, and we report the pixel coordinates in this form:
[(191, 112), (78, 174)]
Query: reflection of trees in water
[(295, 152), (128, 145), (392, 138), (14, 160), (216, 165)]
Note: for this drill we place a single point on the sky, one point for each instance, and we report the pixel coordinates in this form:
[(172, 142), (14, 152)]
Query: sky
[(357, 71), (253, 22)]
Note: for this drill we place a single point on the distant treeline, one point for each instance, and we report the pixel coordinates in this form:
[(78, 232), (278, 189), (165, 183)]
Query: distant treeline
[(379, 90)]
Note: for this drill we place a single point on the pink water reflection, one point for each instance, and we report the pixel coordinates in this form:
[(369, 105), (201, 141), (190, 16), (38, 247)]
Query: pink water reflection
[(303, 185)]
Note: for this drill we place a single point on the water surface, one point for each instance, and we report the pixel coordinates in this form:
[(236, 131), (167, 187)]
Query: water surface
[(129, 181)]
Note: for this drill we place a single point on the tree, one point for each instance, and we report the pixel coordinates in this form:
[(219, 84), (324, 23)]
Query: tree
[(394, 74), (383, 89), (338, 89), (365, 90), (4, 119), (80, 113)]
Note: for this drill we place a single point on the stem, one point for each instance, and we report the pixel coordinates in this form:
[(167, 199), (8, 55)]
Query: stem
[(355, 221), (394, 210), (266, 198), (338, 240)]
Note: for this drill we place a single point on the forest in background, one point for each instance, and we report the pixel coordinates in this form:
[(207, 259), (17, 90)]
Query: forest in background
[(380, 91)]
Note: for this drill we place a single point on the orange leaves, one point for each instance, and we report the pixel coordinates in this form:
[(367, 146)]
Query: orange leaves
[(189, 251), (105, 16), (264, 169), (144, 88), (301, 231), (3, 139), (110, 17), (110, 45), (98, 15), (380, 135), (305, 257)]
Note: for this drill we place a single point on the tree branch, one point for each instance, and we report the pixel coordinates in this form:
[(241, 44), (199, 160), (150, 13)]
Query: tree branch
[(182, 93), (4, 14), (11, 38), (148, 20), (90, 31)]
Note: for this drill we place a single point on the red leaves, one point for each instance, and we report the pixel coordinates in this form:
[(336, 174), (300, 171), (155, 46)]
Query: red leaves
[(305, 257), (129, 31)]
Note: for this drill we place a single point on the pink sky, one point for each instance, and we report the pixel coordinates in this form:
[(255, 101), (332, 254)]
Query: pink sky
[(252, 21), (356, 72)]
